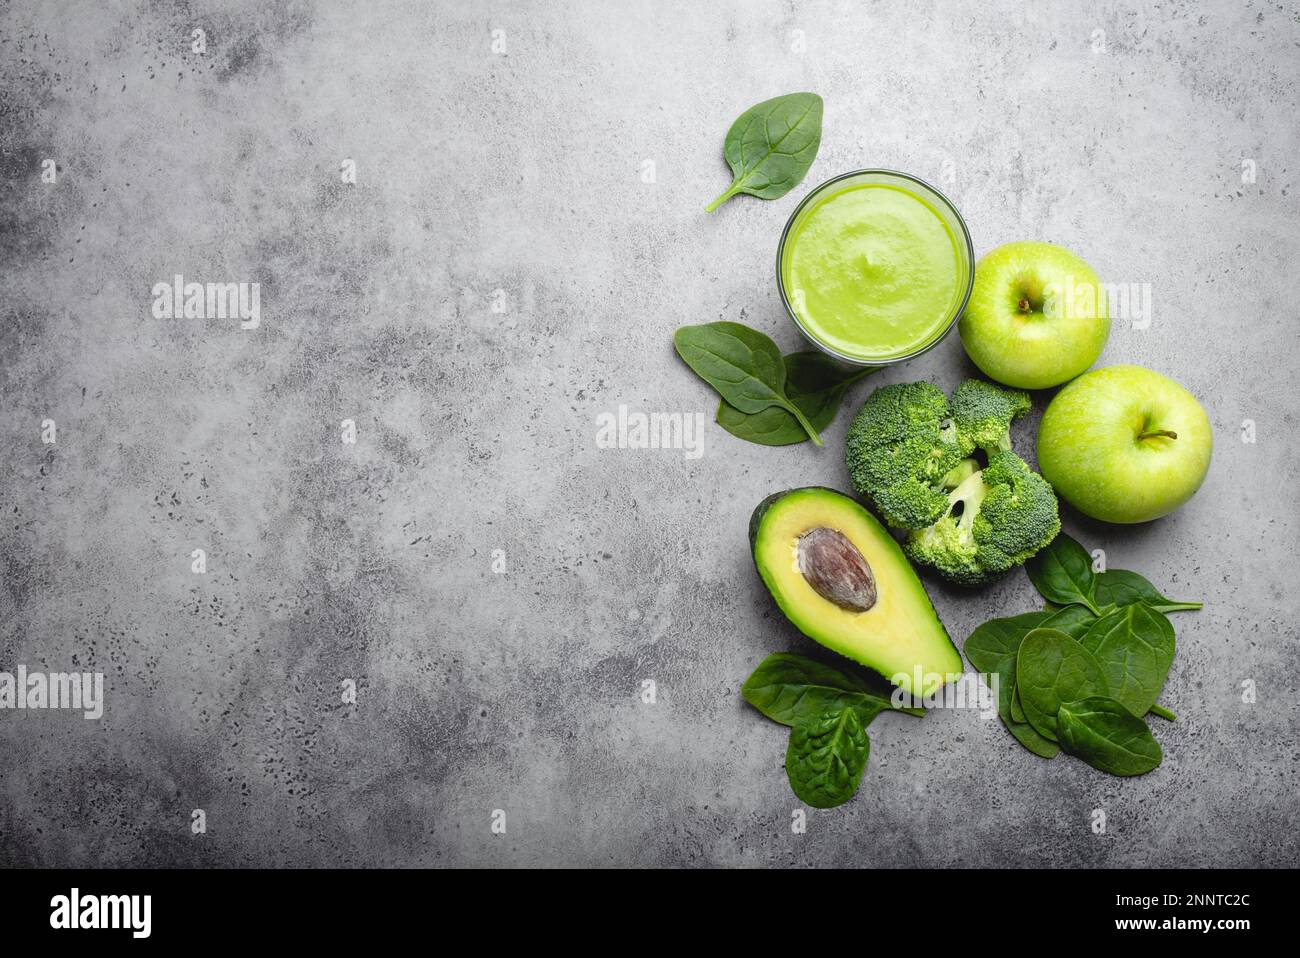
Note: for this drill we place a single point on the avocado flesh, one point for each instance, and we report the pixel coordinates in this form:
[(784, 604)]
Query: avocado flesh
[(899, 632)]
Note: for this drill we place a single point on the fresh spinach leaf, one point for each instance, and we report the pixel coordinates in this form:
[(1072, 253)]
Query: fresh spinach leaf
[(1121, 587), (1052, 668), (742, 364), (789, 688), (1135, 646), (992, 649), (814, 382), (1017, 708), (1106, 735), (771, 145), (826, 756), (1073, 620), (1062, 572), (1120, 651), (1028, 736)]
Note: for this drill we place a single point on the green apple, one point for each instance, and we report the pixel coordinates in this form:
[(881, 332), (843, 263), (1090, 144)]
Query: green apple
[(1124, 444), (1037, 316)]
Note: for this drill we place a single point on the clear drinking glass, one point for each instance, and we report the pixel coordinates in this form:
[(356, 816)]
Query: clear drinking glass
[(941, 205)]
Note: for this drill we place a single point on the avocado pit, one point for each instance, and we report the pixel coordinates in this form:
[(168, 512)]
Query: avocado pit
[(836, 570)]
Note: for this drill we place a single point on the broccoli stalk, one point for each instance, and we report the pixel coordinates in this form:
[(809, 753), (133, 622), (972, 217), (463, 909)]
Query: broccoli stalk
[(959, 474), (970, 492), (949, 545)]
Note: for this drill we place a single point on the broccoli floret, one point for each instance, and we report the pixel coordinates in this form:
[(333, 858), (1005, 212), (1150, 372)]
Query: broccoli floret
[(998, 518), (1019, 515), (984, 412), (918, 459), (949, 546), (901, 446)]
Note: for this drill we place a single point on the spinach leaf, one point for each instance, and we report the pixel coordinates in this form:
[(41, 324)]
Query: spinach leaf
[(1121, 587), (1063, 574), (771, 145), (742, 364), (826, 757), (1073, 620), (1100, 637), (1135, 646), (789, 688), (1106, 735), (1052, 668), (1028, 736), (814, 382), (992, 649), (1017, 708)]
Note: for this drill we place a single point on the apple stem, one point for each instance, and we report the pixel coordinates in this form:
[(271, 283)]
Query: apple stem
[(1159, 432), (1024, 305)]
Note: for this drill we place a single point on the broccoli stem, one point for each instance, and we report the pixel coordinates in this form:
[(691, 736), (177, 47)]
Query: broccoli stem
[(959, 474), (970, 493)]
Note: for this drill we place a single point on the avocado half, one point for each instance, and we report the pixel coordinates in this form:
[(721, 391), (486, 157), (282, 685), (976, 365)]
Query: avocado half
[(840, 577)]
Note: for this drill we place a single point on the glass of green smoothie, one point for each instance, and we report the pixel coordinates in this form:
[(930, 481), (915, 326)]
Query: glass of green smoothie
[(875, 267)]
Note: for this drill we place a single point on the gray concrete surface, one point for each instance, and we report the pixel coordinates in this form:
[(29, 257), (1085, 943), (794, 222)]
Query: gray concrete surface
[(500, 274)]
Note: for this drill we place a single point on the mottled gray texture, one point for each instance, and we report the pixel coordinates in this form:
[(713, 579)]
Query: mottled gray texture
[(522, 171)]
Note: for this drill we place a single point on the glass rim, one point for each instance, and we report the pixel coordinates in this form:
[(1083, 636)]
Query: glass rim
[(952, 321)]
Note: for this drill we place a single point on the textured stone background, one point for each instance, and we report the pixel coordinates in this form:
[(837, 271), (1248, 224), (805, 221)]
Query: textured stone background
[(521, 171)]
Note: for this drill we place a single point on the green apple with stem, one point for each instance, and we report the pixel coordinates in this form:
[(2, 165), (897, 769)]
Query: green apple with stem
[(1124, 444), (1037, 316)]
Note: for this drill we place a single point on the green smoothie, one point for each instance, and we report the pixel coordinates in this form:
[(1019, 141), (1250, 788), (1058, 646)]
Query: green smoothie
[(873, 271)]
